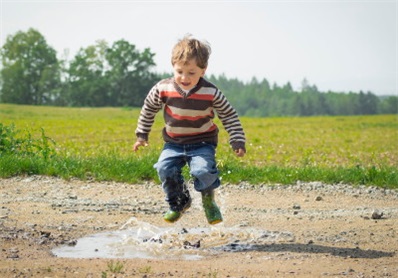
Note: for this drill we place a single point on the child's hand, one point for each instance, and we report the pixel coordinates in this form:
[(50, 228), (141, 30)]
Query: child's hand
[(139, 144), (240, 152)]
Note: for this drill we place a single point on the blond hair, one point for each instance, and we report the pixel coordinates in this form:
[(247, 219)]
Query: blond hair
[(189, 48)]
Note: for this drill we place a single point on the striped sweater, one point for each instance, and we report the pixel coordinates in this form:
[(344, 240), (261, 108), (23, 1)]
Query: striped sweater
[(189, 116)]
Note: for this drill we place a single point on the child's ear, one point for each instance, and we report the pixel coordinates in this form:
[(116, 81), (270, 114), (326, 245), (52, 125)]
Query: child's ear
[(204, 71)]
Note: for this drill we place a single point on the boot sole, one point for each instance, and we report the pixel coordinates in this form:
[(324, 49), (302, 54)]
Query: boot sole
[(215, 221)]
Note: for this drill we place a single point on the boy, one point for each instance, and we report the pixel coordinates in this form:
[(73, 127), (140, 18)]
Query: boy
[(191, 137)]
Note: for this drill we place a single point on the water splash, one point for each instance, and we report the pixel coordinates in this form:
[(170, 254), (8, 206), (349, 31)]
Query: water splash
[(139, 239)]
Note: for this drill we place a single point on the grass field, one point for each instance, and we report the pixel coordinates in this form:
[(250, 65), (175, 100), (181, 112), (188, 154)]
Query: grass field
[(355, 149)]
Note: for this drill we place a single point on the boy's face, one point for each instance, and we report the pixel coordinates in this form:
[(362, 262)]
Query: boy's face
[(187, 74)]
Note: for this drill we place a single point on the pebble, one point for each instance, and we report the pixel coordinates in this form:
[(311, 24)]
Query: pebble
[(296, 206), (13, 253), (377, 215)]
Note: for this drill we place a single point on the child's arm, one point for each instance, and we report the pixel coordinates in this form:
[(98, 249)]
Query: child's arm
[(152, 105), (230, 120)]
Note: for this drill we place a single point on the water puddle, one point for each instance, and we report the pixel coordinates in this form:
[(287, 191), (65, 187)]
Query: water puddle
[(138, 239)]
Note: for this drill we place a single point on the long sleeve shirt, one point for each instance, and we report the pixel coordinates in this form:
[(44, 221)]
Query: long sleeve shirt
[(189, 116)]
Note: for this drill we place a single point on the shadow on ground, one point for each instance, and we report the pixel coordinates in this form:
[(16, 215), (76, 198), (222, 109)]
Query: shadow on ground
[(308, 248)]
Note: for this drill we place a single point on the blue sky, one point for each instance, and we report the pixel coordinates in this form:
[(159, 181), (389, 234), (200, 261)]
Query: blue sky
[(336, 45)]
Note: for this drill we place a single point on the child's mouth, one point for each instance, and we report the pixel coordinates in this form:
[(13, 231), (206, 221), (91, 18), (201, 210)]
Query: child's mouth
[(185, 84)]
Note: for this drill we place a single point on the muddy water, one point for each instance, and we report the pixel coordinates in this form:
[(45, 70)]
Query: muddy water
[(138, 239)]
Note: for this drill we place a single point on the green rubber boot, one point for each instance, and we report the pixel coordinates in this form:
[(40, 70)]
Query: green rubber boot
[(212, 211), (172, 216)]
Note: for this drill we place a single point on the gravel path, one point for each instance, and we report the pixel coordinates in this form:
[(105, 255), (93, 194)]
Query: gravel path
[(302, 230)]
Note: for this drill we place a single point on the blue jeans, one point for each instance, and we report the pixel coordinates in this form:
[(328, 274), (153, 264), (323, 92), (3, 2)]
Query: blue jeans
[(200, 159)]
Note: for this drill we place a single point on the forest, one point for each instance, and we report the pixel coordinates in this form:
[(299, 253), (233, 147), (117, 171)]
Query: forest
[(120, 75)]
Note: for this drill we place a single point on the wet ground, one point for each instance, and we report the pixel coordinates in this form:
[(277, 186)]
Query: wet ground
[(137, 239)]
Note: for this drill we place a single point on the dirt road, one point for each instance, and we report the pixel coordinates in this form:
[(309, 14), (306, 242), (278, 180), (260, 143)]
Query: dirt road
[(303, 230)]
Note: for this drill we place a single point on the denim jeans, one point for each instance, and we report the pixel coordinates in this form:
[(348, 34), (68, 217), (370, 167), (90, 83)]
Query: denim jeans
[(200, 159)]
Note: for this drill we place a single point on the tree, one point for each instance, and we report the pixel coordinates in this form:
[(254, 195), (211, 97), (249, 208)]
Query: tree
[(30, 72), (367, 103), (100, 75), (86, 84), (129, 73), (389, 105)]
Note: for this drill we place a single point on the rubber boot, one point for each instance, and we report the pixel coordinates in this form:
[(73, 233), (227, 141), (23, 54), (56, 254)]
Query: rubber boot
[(212, 211), (175, 212), (172, 216)]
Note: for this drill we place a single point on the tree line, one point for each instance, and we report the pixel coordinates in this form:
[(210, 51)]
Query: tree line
[(98, 75), (121, 75), (261, 99)]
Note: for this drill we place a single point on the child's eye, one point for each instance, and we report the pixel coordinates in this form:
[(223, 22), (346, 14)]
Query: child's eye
[(192, 73)]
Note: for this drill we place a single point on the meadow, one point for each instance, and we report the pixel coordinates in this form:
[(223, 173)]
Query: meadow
[(97, 143)]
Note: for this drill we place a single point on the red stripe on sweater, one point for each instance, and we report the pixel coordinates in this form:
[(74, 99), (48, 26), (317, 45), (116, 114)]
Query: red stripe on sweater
[(173, 94), (208, 97)]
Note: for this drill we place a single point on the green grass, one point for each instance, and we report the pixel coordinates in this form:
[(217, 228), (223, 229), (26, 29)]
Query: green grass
[(97, 143), (115, 267)]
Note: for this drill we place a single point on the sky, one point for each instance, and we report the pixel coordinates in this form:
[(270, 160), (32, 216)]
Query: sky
[(339, 45)]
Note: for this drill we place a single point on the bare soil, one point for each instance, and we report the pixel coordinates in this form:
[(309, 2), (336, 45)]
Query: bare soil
[(334, 230)]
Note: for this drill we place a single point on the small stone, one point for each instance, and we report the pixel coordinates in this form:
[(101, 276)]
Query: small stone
[(188, 245), (184, 231), (72, 242), (45, 234), (296, 206), (13, 256), (318, 198), (377, 215), (13, 253)]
